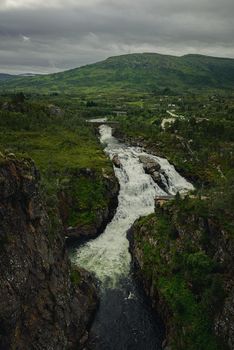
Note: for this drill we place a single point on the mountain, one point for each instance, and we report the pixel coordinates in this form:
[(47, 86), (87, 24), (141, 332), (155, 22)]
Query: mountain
[(138, 72), (28, 74), (4, 76)]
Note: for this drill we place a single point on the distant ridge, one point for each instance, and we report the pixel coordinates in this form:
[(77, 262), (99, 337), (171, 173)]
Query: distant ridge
[(28, 75), (141, 72), (4, 76)]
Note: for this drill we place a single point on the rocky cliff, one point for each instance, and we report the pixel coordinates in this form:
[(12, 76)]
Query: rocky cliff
[(44, 303), (184, 259)]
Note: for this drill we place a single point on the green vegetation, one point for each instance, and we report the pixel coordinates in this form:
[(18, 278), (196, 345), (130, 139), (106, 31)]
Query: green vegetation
[(63, 146), (139, 91), (200, 145), (182, 268), (148, 72), (179, 241), (75, 276), (89, 197)]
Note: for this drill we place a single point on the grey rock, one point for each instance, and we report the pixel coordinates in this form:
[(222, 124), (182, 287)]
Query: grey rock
[(150, 165), (40, 306), (55, 110), (224, 323), (116, 161)]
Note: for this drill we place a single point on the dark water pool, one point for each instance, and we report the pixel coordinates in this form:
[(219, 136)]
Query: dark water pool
[(125, 321)]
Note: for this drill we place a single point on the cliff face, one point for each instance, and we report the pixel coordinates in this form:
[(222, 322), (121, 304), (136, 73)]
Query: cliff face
[(44, 304), (184, 260)]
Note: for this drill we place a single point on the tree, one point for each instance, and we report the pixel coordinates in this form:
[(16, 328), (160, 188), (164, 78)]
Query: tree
[(18, 97)]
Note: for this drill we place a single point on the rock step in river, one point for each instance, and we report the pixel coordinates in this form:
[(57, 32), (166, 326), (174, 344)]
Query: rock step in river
[(124, 320)]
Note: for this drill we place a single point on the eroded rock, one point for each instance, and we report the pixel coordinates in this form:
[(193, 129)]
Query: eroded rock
[(42, 305)]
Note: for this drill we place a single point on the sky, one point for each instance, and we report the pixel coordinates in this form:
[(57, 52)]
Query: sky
[(45, 36)]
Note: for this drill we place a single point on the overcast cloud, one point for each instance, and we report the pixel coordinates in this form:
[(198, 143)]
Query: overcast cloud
[(53, 35)]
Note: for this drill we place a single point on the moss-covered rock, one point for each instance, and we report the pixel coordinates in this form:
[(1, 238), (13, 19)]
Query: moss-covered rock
[(87, 202)]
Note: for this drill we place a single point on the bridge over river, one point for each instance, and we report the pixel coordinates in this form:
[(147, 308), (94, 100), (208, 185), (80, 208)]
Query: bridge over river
[(98, 122)]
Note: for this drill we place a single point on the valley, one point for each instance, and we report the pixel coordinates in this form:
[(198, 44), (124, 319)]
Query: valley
[(145, 205)]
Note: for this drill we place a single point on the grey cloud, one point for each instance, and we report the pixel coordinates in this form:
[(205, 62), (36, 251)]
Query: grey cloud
[(71, 33)]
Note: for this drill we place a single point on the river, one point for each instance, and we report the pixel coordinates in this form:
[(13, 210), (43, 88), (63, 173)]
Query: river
[(125, 320)]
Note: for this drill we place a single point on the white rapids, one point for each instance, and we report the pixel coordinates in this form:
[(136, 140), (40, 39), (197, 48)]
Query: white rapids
[(108, 256)]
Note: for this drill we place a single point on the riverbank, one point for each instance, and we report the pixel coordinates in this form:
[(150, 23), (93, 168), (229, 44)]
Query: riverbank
[(88, 204), (76, 186), (184, 260), (183, 252), (160, 149), (199, 148), (76, 175)]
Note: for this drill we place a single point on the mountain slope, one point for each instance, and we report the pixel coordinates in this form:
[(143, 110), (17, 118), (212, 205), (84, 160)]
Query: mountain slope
[(4, 76), (138, 72)]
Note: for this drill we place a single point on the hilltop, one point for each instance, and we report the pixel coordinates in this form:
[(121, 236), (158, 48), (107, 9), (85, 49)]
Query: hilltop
[(146, 72)]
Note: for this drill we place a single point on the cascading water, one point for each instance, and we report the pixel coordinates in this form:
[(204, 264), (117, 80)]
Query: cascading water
[(124, 321)]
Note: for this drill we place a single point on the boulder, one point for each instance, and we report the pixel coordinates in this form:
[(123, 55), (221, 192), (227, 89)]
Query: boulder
[(150, 165), (116, 161), (153, 168)]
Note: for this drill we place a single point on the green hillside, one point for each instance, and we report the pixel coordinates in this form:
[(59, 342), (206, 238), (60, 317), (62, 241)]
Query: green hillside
[(138, 72)]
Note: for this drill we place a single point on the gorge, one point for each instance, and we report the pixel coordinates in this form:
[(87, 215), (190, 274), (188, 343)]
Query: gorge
[(124, 319)]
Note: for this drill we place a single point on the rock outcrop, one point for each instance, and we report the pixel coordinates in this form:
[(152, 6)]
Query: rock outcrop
[(184, 260), (153, 168), (44, 303), (150, 165), (103, 214), (55, 110), (155, 148)]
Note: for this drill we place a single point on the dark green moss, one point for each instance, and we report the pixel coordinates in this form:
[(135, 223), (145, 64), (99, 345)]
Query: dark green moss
[(75, 276)]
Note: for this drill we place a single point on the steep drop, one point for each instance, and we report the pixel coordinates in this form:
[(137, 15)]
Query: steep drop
[(44, 303)]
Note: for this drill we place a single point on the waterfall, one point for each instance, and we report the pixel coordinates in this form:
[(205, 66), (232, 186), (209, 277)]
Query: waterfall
[(124, 319), (108, 256)]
